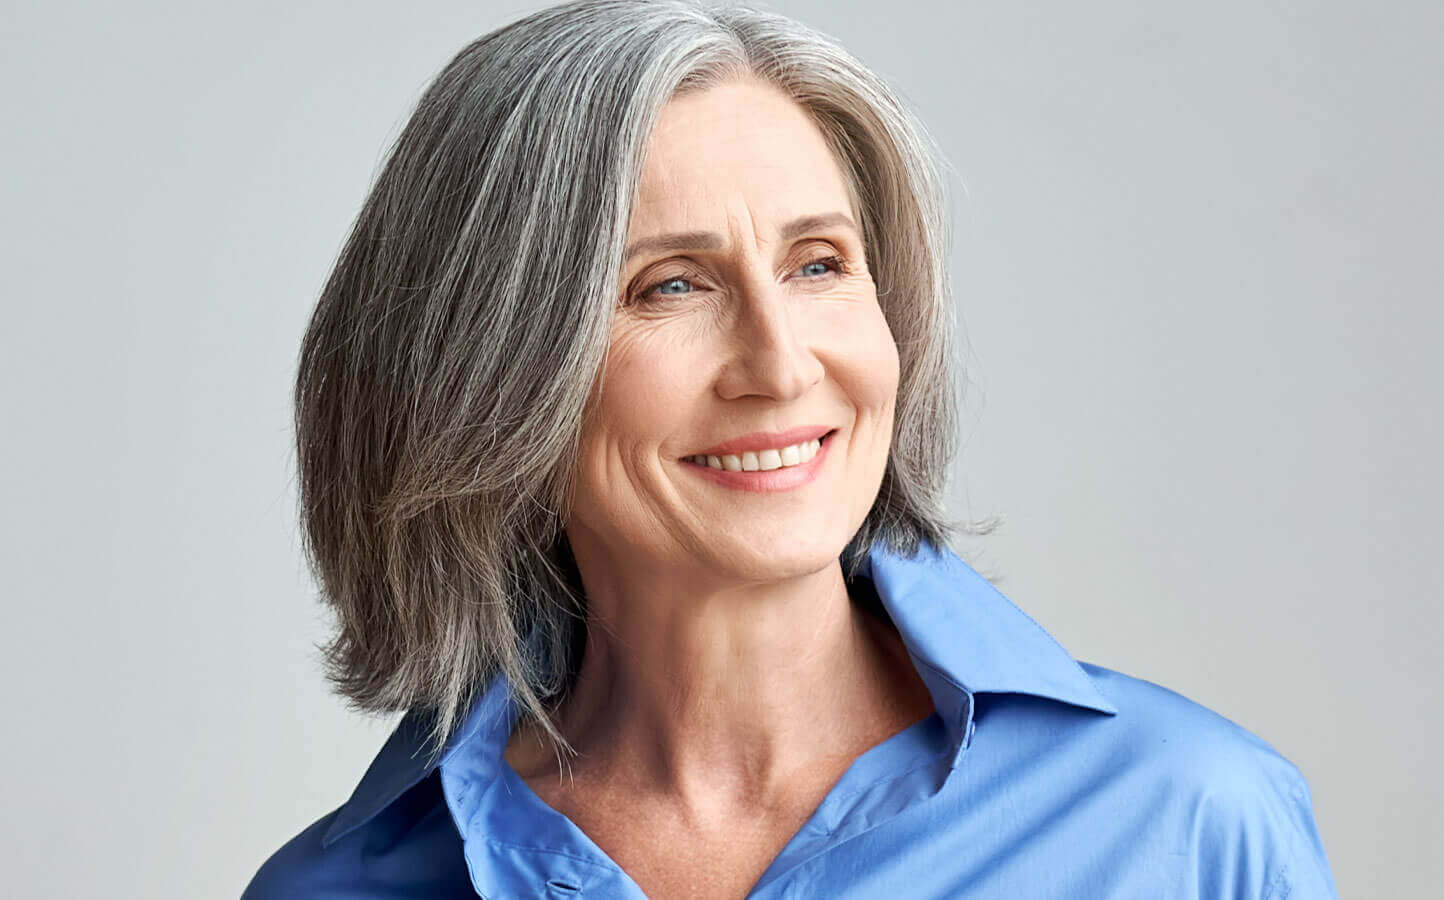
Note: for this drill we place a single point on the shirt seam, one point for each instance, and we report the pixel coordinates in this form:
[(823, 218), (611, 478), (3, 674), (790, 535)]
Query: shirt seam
[(1279, 886), (931, 760), (565, 853), (1272, 892), (944, 675)]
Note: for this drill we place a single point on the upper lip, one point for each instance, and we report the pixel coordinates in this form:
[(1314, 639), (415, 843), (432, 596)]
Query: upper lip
[(766, 440)]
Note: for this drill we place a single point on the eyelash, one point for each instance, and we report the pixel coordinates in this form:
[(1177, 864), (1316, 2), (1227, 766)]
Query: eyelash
[(838, 264)]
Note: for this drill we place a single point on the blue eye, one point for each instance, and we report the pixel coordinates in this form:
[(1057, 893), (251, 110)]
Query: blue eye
[(661, 284), (829, 264)]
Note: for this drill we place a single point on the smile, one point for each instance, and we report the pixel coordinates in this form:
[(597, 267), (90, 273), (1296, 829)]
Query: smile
[(764, 471), (762, 460)]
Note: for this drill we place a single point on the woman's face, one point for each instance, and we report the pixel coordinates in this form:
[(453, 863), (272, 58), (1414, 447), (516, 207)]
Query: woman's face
[(747, 307)]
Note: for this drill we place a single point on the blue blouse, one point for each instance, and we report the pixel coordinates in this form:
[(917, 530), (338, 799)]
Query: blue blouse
[(1037, 776)]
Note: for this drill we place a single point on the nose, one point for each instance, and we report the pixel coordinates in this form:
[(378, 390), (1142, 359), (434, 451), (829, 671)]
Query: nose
[(770, 355)]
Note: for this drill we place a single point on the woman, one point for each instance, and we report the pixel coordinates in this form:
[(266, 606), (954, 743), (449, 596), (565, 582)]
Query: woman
[(623, 424)]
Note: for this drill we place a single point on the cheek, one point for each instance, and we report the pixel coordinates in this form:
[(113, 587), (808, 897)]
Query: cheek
[(647, 387), (866, 361), (886, 360)]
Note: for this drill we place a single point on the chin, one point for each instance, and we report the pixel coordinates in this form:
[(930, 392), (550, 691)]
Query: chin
[(769, 557)]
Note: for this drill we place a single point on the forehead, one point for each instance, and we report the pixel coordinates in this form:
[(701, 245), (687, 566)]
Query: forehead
[(742, 149)]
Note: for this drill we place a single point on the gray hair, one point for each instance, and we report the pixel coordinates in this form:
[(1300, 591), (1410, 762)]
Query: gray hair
[(444, 378)]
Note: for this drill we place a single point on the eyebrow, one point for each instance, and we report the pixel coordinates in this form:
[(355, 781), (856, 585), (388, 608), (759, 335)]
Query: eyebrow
[(710, 240)]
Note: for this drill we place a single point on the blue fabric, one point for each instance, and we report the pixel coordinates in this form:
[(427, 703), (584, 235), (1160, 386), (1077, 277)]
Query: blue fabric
[(1037, 776)]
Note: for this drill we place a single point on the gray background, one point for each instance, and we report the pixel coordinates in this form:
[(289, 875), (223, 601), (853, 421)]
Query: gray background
[(1197, 261)]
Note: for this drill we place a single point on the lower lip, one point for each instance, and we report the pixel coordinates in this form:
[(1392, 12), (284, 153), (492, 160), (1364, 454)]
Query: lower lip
[(784, 479)]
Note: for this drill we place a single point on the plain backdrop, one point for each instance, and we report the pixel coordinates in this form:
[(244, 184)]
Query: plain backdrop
[(1197, 256)]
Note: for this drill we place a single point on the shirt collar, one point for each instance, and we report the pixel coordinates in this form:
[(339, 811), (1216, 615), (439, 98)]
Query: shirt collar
[(964, 636)]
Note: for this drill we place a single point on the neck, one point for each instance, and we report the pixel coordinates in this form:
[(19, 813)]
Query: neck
[(723, 696)]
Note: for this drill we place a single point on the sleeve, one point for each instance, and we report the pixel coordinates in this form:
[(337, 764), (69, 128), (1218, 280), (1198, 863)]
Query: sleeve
[(1253, 827), (1305, 874)]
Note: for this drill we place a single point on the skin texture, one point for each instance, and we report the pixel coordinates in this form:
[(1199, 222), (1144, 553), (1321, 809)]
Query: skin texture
[(728, 680)]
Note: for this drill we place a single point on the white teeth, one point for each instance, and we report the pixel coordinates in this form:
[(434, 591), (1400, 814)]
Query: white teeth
[(762, 460)]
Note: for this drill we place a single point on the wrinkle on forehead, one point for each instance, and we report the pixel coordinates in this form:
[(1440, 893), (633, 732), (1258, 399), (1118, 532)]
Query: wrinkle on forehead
[(745, 149)]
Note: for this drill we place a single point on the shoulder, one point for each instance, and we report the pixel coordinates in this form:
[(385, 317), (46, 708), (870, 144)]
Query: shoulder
[(1236, 807), (1153, 736), (298, 868), (412, 848), (1159, 726)]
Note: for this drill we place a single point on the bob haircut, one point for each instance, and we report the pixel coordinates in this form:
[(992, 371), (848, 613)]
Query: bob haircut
[(445, 376)]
